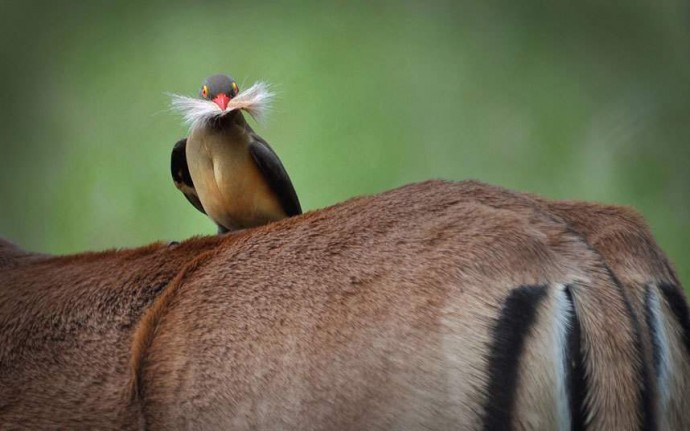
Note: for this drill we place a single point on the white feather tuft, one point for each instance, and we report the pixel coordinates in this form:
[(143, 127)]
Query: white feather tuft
[(256, 100)]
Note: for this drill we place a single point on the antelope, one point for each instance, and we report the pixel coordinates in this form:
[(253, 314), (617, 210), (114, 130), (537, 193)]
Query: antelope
[(434, 306)]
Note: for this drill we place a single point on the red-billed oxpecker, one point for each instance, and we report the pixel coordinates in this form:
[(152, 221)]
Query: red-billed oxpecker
[(223, 167)]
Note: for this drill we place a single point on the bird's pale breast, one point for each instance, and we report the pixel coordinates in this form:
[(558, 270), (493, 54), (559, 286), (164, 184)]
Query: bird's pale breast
[(230, 186)]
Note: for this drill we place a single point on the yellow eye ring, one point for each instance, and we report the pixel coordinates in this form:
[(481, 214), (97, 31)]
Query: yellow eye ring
[(204, 92), (234, 88)]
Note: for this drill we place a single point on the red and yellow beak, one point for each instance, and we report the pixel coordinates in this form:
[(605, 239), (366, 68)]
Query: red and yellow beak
[(222, 101)]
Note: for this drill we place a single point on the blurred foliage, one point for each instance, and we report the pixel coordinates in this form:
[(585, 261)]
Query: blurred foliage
[(586, 100)]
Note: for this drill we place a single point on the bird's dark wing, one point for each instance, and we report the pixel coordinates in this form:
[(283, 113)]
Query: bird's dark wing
[(272, 169), (180, 174)]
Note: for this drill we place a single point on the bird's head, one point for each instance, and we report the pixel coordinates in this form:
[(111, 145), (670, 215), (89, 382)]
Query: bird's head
[(219, 96), (220, 89)]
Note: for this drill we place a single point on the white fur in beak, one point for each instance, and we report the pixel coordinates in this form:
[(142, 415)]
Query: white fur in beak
[(256, 100)]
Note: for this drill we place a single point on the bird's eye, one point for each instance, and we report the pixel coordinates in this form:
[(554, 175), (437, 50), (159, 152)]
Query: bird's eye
[(204, 92), (235, 89)]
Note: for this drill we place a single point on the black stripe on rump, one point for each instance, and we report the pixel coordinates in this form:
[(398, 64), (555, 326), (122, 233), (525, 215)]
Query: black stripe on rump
[(512, 327), (576, 376), (679, 307)]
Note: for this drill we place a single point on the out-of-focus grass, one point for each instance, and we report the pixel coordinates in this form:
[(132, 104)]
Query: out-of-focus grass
[(570, 100)]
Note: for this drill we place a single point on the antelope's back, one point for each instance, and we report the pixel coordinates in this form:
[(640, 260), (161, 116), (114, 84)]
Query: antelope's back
[(66, 327), (434, 306)]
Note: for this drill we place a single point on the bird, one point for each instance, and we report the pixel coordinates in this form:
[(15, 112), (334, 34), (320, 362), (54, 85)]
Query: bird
[(224, 168)]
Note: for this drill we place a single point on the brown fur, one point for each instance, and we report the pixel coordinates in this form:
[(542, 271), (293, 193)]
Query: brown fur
[(66, 325), (621, 236), (373, 314)]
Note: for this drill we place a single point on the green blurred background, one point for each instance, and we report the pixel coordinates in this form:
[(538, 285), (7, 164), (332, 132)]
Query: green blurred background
[(586, 100)]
